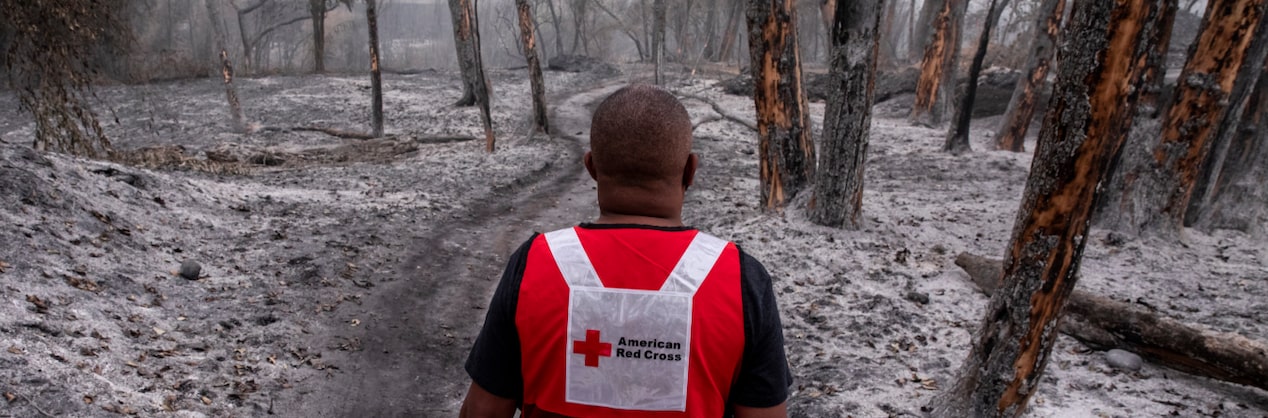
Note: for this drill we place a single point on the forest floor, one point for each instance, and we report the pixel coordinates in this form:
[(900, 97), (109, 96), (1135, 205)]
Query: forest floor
[(347, 277)]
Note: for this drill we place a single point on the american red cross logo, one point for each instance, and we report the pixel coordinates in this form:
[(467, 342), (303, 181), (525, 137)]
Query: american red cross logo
[(592, 348)]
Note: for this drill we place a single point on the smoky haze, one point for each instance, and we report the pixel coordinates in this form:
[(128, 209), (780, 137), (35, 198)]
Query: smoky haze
[(173, 38)]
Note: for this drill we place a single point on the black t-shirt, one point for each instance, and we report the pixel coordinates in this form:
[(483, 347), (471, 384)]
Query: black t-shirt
[(763, 378)]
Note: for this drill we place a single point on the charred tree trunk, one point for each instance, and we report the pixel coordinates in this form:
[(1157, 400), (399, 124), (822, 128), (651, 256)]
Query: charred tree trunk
[(920, 30), (1021, 108), (466, 36), (683, 41), (529, 41), (658, 36), (911, 31), (466, 33), (1091, 106), (785, 146), (52, 56), (554, 21), (226, 67), (1103, 323), (710, 29), (376, 79), (579, 26), (1243, 195), (1205, 190), (827, 14), (242, 36), (958, 136), (888, 52), (1156, 189), (847, 121), (317, 9), (937, 69), (729, 34), (1152, 81)]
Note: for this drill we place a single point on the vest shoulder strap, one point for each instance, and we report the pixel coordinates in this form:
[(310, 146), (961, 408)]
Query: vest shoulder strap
[(692, 268), (572, 259), (695, 264)]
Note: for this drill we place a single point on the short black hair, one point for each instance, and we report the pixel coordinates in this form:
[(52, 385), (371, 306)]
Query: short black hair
[(640, 134)]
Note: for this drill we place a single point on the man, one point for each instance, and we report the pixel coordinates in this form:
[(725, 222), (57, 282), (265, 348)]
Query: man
[(634, 315)]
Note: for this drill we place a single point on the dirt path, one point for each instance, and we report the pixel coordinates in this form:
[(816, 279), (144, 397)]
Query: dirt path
[(418, 329)]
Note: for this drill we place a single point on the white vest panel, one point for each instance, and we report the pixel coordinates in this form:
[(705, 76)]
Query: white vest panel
[(630, 349)]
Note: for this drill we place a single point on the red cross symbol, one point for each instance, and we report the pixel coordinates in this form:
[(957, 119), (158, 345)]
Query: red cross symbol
[(592, 348)]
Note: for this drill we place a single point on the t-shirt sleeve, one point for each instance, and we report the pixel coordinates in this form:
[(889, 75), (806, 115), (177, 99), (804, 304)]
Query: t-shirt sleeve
[(494, 362), (764, 377)]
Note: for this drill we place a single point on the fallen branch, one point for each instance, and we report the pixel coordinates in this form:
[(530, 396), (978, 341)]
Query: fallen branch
[(423, 139), (34, 405), (1103, 323), (723, 112), (335, 132), (706, 119), (443, 138)]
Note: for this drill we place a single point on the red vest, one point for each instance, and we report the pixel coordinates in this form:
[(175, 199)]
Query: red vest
[(638, 259)]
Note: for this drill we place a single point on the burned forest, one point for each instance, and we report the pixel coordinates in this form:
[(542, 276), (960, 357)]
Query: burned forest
[(1045, 208)]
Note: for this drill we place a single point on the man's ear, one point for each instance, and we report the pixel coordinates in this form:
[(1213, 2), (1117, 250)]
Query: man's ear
[(589, 163), (689, 171)]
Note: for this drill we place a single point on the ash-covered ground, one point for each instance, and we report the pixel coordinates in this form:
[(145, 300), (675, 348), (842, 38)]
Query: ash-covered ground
[(347, 277)]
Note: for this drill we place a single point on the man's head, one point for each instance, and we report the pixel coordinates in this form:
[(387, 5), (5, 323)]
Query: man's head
[(640, 151)]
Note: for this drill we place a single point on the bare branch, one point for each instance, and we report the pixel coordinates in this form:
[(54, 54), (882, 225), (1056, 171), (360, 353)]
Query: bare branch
[(260, 36), (250, 8)]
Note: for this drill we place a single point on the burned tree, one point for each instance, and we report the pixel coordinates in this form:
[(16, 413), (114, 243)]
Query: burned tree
[(958, 136), (475, 86), (376, 79), (937, 68), (1205, 188), (580, 29), (918, 33), (317, 11), (627, 27), (466, 36), (828, 15), (1021, 108), (554, 22), (529, 42), (786, 150), (1157, 188), (658, 36), (710, 31), (1151, 83), (1241, 189), (226, 67), (268, 18), (847, 121), (1092, 105), (729, 37), (49, 57)]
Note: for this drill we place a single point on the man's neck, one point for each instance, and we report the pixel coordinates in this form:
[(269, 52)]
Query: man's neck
[(619, 218)]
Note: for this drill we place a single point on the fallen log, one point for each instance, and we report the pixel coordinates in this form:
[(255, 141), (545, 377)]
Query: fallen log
[(1102, 323)]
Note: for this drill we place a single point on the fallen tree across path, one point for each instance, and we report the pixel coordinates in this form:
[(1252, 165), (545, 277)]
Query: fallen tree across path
[(1103, 323)]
